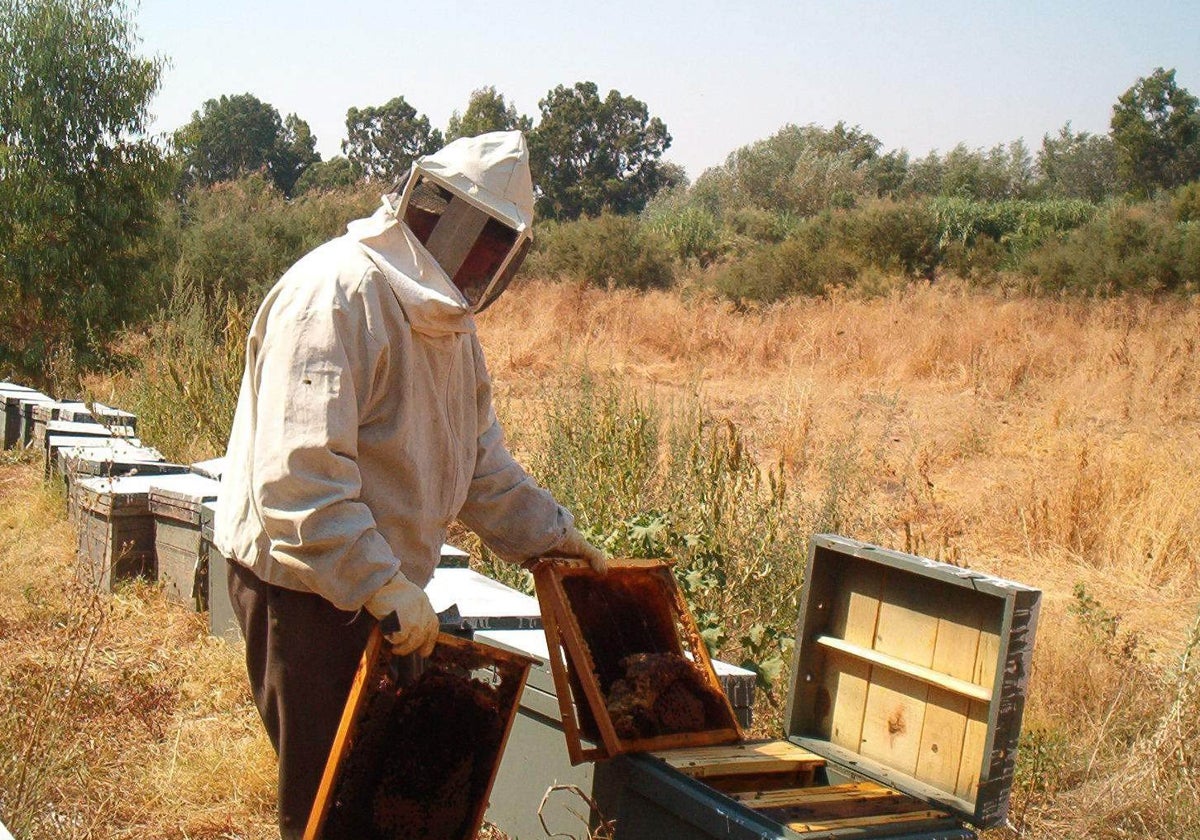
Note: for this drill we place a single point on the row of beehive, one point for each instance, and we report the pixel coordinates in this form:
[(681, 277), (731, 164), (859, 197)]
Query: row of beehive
[(136, 514)]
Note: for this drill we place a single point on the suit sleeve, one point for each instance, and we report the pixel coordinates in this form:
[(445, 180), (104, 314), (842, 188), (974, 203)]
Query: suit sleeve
[(515, 517), (315, 372)]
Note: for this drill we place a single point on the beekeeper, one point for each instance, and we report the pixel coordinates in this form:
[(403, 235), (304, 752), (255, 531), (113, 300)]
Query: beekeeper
[(364, 427)]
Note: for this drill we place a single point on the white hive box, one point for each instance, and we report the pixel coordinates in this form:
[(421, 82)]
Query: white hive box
[(175, 503)]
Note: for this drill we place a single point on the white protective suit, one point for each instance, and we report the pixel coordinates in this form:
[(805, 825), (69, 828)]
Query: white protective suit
[(365, 425)]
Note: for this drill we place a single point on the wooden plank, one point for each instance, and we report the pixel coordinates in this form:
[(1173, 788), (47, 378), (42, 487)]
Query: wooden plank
[(820, 797), (845, 685), (940, 757), (902, 666), (854, 618), (976, 732), (741, 759), (893, 720), (908, 625), (865, 822)]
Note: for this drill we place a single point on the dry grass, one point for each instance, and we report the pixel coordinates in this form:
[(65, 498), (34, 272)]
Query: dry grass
[(1054, 442), (121, 717)]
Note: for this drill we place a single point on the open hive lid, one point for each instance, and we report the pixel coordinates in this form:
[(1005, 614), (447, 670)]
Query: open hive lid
[(912, 673), (631, 673), (419, 743)]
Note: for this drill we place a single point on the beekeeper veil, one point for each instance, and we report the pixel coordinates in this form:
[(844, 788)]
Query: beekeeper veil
[(471, 206)]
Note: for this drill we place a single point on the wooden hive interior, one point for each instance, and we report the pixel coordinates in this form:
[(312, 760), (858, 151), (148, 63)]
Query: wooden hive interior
[(900, 670)]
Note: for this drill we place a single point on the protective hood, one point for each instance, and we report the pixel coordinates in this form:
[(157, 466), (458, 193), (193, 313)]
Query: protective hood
[(471, 207), (491, 170)]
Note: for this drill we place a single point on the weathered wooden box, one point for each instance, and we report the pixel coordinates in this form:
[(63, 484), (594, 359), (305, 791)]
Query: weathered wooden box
[(93, 457), (10, 399), (631, 671), (213, 468), (214, 578), (67, 411), (121, 423), (25, 405), (175, 503), (416, 754), (115, 528), (908, 686), (54, 444)]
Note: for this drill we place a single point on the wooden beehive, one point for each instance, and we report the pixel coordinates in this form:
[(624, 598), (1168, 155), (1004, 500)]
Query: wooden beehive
[(25, 406), (53, 445), (214, 578), (115, 527), (415, 759), (67, 411), (10, 400), (631, 671), (120, 423), (904, 711), (175, 503), (107, 458), (913, 671)]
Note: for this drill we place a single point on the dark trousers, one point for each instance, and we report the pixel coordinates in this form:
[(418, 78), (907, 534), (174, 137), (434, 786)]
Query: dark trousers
[(301, 654)]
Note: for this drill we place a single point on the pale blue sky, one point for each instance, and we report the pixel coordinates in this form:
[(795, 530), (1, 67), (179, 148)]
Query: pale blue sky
[(919, 75)]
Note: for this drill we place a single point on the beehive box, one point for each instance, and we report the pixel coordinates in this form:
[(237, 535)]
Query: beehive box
[(214, 578), (904, 710), (93, 457), (68, 411), (415, 756), (212, 468), (175, 502), (52, 446), (482, 603), (631, 671), (116, 529), (121, 423), (10, 400), (25, 405)]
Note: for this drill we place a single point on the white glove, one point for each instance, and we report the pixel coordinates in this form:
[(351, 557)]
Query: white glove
[(574, 545), (418, 630)]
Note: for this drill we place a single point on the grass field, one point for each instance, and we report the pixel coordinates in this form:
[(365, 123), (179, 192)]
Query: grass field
[(1053, 442)]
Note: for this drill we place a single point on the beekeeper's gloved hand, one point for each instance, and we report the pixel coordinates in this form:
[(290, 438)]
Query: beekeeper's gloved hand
[(405, 600), (574, 545)]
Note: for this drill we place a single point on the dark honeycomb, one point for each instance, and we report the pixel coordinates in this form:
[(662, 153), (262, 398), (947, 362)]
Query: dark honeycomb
[(422, 755), (662, 694)]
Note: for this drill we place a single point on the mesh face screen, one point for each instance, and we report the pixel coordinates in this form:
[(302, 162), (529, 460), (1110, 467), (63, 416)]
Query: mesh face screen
[(425, 206), (484, 260), (469, 244)]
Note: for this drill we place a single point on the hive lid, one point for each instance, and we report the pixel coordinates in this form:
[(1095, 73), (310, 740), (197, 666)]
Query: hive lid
[(188, 488), (483, 603), (73, 427), (912, 673), (631, 673), (212, 468)]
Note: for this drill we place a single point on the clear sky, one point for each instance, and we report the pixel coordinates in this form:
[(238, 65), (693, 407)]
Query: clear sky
[(918, 75)]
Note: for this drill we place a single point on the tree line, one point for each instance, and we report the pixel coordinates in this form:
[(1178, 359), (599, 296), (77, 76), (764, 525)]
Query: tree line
[(100, 219)]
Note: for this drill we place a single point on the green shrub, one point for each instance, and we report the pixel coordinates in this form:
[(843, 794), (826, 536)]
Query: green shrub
[(896, 237), (608, 250), (692, 232), (807, 263), (186, 389), (239, 237), (1019, 225), (1126, 248)]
